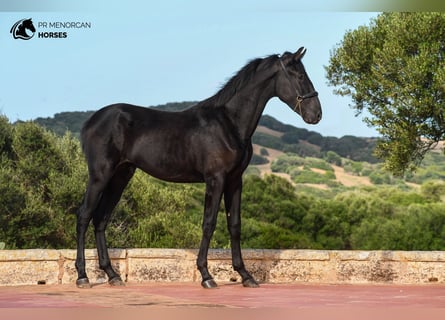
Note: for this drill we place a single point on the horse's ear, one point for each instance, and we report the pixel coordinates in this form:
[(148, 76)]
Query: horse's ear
[(299, 54)]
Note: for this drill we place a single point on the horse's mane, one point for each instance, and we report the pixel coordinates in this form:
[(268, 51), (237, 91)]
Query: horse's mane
[(239, 80)]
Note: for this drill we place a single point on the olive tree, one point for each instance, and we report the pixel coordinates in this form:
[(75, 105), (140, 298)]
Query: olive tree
[(394, 68)]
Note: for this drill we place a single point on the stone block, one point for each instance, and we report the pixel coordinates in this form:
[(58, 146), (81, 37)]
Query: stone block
[(154, 265), (25, 267)]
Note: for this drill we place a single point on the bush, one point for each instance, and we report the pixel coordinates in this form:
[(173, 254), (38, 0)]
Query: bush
[(317, 164), (258, 160), (264, 152), (378, 177), (333, 158), (282, 163), (309, 176), (433, 190)]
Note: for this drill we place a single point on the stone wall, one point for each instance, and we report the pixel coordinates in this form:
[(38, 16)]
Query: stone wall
[(25, 267)]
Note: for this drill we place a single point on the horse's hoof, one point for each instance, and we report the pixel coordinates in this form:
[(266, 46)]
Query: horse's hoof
[(250, 283), (116, 282), (209, 284), (83, 283)]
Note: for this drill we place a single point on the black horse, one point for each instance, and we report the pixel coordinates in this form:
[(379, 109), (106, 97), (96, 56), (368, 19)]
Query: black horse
[(209, 142)]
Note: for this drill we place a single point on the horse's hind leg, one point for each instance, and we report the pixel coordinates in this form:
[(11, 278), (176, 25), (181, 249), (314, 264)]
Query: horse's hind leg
[(101, 217), (90, 203), (232, 201)]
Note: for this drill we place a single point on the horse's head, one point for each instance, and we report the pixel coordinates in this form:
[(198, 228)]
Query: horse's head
[(27, 24), (295, 88)]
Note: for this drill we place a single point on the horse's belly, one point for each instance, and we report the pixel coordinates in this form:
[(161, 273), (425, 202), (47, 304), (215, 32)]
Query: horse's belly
[(169, 169), (183, 159), (177, 177)]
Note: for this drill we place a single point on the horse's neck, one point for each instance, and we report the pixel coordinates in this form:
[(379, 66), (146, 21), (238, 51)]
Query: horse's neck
[(21, 30), (246, 107)]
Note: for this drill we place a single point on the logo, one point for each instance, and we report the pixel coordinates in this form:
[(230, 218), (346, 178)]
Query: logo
[(23, 29)]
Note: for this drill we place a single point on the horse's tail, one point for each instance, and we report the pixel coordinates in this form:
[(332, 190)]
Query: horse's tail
[(88, 128)]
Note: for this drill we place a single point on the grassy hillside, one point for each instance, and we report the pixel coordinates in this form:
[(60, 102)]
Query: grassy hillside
[(270, 134), (336, 174), (302, 156)]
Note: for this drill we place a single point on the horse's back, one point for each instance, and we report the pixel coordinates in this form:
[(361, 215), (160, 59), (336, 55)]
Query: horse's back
[(118, 124)]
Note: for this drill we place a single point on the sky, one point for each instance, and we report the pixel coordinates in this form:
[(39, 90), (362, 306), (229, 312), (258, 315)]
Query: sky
[(154, 52)]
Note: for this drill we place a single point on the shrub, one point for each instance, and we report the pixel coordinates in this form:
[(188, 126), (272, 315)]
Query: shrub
[(285, 161), (309, 176)]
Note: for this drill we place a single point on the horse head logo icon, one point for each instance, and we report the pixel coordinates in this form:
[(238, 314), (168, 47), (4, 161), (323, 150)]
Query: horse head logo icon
[(19, 29)]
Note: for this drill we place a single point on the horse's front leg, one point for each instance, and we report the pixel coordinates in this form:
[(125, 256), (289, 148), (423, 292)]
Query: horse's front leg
[(214, 188), (232, 200)]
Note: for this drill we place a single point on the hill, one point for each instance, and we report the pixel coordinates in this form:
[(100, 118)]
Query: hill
[(73, 121), (271, 133), (302, 156)]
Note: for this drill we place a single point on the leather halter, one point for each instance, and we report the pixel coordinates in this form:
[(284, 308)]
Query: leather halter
[(300, 98)]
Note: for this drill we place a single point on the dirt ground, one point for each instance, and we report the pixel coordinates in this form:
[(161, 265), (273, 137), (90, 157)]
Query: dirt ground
[(190, 301)]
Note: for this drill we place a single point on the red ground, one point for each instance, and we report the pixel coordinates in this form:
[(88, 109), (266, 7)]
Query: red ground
[(190, 301)]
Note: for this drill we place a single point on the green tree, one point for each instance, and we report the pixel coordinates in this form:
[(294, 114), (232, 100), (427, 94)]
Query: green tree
[(394, 68), (36, 153), (41, 179)]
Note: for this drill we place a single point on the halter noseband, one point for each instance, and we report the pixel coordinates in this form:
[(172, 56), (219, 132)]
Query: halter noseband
[(300, 98)]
